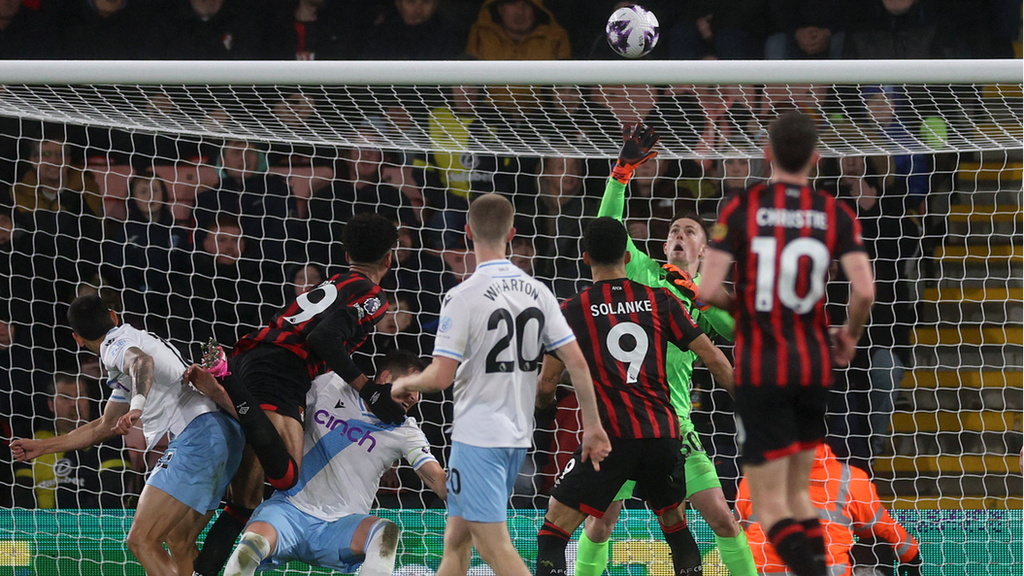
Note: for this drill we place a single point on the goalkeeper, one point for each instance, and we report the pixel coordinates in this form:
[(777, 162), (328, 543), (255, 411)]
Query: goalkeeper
[(684, 248)]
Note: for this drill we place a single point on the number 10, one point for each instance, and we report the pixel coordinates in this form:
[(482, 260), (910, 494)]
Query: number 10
[(789, 263)]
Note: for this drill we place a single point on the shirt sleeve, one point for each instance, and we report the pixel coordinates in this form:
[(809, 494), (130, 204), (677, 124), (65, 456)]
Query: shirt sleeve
[(727, 233), (557, 332), (682, 327), (113, 355), (870, 518), (417, 449), (452, 330), (848, 232)]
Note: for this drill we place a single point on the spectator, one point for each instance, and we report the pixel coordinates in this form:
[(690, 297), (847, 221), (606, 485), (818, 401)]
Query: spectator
[(563, 211), (517, 30), (892, 239), (419, 275), (218, 292), (848, 505), (452, 178), (213, 30), (910, 173), (300, 278), (887, 29), (58, 210), (523, 254), (361, 190), (138, 255), (104, 30), (703, 32), (261, 202), (88, 478), (415, 32), (25, 34), (318, 32), (806, 29)]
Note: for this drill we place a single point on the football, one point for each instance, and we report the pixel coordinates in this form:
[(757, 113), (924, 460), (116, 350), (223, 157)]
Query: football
[(632, 31)]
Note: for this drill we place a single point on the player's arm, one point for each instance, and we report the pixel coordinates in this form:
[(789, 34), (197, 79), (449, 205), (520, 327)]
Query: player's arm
[(547, 383), (872, 520), (434, 378), (715, 361), (329, 340), (595, 443), (636, 150), (433, 477), (712, 284), (140, 367), (857, 268), (86, 435)]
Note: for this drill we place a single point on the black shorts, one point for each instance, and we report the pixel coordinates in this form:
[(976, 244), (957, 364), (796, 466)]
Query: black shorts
[(656, 464), (277, 379), (778, 421)]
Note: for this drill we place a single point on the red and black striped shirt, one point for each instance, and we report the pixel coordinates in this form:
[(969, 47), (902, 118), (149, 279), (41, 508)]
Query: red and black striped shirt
[(624, 329), (350, 302), (783, 239)]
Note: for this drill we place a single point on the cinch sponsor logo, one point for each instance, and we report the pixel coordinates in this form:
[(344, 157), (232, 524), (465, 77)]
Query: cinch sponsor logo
[(354, 432)]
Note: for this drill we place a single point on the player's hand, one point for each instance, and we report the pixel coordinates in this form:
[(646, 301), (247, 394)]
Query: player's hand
[(378, 399), (595, 446), (638, 140), (25, 449), (685, 284), (127, 422), (844, 346), (911, 568)]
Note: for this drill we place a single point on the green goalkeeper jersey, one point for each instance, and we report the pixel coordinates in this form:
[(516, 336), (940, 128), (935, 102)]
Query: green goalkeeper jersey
[(647, 271)]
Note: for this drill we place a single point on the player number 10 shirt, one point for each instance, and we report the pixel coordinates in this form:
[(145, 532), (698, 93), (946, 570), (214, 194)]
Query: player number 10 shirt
[(498, 323)]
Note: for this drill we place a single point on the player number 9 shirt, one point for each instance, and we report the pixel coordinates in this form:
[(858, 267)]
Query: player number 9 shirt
[(498, 323)]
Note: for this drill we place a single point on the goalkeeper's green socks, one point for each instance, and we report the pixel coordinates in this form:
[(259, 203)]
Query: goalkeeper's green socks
[(591, 557), (736, 556)]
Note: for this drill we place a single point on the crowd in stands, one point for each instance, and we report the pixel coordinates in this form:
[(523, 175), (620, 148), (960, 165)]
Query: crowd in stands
[(500, 29), (195, 239)]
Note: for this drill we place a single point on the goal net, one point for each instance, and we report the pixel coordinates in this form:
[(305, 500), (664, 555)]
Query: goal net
[(198, 198)]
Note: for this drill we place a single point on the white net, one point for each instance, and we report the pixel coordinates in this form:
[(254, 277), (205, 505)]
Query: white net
[(199, 210)]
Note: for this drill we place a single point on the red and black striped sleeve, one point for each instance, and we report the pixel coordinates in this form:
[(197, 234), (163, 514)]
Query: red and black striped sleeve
[(682, 328)]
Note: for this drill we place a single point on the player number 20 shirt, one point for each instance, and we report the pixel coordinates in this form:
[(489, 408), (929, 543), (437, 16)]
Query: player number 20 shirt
[(498, 323)]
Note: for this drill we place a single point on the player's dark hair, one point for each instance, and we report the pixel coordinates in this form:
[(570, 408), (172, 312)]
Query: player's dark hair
[(691, 215), (369, 237), (793, 137), (605, 240), (401, 362), (89, 317)]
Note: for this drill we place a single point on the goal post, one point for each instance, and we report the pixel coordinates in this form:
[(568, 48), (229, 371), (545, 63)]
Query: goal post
[(928, 152)]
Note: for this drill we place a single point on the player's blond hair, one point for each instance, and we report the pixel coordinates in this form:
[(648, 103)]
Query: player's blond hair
[(490, 218)]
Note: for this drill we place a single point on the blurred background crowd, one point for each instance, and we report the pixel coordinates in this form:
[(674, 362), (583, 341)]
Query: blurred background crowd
[(501, 29), (192, 238)]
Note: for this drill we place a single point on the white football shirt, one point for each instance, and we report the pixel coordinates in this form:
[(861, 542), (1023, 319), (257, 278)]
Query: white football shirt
[(346, 451), (170, 404), (498, 323)]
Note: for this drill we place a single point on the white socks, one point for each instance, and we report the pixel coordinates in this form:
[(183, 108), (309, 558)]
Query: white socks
[(381, 543), (251, 550)]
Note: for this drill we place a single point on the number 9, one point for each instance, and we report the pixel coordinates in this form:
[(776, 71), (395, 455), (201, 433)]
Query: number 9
[(634, 358)]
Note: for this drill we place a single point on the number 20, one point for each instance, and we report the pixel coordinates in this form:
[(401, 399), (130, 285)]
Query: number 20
[(789, 263), (514, 328)]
